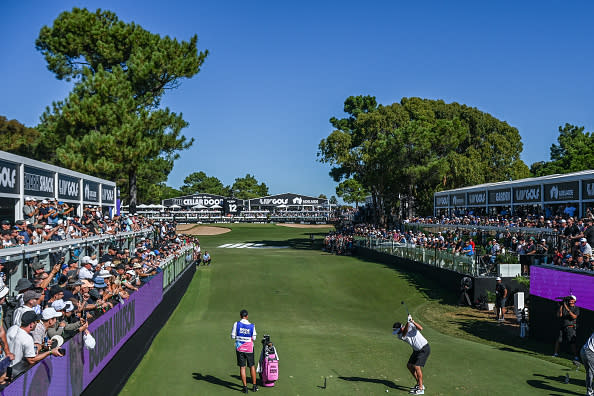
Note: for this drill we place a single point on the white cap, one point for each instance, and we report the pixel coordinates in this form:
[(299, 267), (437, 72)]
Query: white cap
[(59, 340), (59, 305), (69, 306), (86, 259), (44, 201), (50, 313), (583, 240), (498, 278), (572, 297)]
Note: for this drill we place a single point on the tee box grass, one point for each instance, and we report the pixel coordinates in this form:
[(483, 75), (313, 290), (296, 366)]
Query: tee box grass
[(330, 318)]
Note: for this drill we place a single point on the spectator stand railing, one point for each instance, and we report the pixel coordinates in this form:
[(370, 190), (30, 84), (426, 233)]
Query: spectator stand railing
[(16, 259), (174, 266), (433, 257)]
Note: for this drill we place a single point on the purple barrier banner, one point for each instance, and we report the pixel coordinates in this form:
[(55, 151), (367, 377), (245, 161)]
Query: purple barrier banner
[(71, 374), (550, 283)]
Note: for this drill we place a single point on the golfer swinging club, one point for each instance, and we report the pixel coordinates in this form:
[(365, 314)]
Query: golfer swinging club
[(411, 334), (244, 334)]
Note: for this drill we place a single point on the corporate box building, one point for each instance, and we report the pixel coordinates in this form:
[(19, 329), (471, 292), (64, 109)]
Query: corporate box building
[(283, 205), (22, 177), (568, 194)]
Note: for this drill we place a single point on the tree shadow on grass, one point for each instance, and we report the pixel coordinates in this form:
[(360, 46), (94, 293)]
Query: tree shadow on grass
[(546, 385), (217, 381), (294, 243), (386, 383), (431, 288)]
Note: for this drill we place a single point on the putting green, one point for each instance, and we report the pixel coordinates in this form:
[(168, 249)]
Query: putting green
[(330, 318)]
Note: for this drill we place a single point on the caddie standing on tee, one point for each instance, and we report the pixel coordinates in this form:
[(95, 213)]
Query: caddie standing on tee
[(244, 334), (411, 334)]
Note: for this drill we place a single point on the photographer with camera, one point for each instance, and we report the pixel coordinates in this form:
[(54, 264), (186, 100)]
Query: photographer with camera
[(567, 314)]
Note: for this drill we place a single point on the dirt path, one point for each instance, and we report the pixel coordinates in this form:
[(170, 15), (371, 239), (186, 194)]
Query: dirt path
[(306, 225), (202, 230)]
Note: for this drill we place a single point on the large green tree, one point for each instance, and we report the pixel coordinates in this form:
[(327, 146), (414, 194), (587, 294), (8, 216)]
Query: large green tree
[(351, 191), (112, 124), (402, 153), (248, 187), (199, 182), (573, 152), (16, 138)]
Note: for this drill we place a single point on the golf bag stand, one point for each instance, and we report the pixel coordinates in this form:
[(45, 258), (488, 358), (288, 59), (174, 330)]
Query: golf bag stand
[(268, 364)]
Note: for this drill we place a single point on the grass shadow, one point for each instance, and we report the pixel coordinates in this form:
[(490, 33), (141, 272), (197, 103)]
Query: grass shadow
[(217, 381), (545, 384), (429, 287), (386, 383), (294, 243)]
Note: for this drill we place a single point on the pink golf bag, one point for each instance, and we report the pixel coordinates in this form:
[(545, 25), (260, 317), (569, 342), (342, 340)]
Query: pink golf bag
[(268, 364)]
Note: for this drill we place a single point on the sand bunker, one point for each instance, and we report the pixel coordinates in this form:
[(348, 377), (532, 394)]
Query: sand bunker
[(203, 230), (306, 225)]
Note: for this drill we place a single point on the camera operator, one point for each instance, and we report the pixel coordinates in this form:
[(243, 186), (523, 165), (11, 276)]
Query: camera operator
[(465, 286), (567, 314)]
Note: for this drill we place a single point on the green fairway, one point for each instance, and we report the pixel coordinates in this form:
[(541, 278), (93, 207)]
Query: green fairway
[(330, 318)]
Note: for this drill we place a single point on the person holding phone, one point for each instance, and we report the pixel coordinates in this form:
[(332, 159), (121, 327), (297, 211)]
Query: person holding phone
[(22, 345)]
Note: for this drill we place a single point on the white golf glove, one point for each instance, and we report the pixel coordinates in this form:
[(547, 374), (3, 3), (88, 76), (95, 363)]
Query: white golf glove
[(409, 318)]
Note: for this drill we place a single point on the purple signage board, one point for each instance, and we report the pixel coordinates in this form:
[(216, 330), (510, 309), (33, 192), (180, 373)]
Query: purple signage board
[(550, 283), (71, 374), (118, 324)]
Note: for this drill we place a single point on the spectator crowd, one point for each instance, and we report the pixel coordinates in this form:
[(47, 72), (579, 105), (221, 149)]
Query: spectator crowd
[(53, 305), (51, 220), (566, 242)]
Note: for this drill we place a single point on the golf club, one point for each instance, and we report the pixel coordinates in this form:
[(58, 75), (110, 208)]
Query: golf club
[(403, 303)]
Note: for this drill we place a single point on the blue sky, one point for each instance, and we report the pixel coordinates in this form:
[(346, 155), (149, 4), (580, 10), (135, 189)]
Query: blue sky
[(277, 71)]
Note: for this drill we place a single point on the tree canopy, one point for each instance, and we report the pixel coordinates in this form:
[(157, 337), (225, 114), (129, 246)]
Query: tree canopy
[(199, 182), (17, 138), (111, 124), (573, 153), (247, 188), (402, 153), (351, 191)]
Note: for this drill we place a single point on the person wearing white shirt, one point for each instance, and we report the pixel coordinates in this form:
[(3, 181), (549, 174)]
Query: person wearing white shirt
[(411, 334), (86, 271), (587, 355), (31, 299), (22, 346)]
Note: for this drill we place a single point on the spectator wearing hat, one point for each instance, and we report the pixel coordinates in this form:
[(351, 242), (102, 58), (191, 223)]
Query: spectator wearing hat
[(21, 344), (500, 300), (585, 247), (49, 317), (542, 250), (86, 272), (55, 293), (30, 210), (30, 299), (21, 287), (72, 288), (206, 259), (131, 281), (102, 305), (74, 324), (567, 315)]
